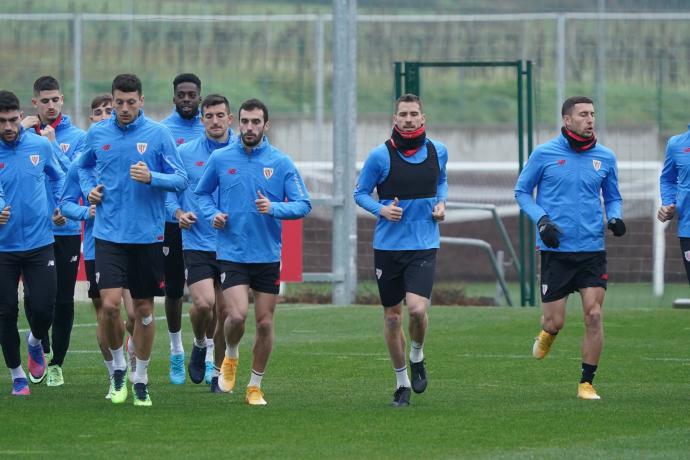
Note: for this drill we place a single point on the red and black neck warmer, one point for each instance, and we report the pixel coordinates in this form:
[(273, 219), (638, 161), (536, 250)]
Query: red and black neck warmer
[(408, 142), (579, 143), (54, 125)]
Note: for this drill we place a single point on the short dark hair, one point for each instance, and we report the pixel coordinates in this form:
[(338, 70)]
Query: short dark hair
[(101, 100), (127, 83), (46, 83), (252, 104), (186, 78), (571, 101), (215, 99), (409, 97), (8, 101)]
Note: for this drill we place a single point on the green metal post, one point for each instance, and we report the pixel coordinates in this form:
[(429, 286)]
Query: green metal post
[(530, 146), (521, 156), (398, 79), (412, 78)]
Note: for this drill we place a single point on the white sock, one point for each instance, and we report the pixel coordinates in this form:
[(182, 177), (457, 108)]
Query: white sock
[(255, 379), (141, 375), (119, 363), (109, 365), (402, 379), (209, 349), (18, 373), (33, 341), (176, 347), (416, 352), (200, 343), (232, 352)]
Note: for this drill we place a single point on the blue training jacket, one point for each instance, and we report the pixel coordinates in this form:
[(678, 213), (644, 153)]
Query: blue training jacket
[(131, 212), (25, 164), (417, 229), (70, 208), (183, 131), (249, 236), (568, 191), (675, 180), (194, 155), (68, 141)]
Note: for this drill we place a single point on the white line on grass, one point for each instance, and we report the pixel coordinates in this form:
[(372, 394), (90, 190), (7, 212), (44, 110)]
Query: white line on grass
[(158, 318)]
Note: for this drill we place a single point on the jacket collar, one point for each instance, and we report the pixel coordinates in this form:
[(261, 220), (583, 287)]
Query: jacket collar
[(260, 147), (196, 119), (15, 143), (212, 145), (140, 120)]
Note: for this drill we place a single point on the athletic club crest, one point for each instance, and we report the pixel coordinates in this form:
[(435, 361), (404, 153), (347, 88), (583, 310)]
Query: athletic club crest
[(141, 147), (379, 272), (64, 148), (98, 277), (687, 255), (544, 288), (596, 164), (35, 159), (268, 172), (166, 251)]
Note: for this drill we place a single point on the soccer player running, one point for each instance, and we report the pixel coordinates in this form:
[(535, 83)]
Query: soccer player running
[(409, 174), (674, 184), (27, 161), (136, 162), (51, 122), (570, 173), (72, 208), (202, 270), (185, 124), (257, 187)]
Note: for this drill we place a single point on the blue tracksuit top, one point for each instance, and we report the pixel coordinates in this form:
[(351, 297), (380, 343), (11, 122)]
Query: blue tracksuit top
[(249, 236), (70, 138), (194, 155), (417, 229), (70, 208), (569, 185), (674, 182), (183, 131), (24, 165), (131, 212)]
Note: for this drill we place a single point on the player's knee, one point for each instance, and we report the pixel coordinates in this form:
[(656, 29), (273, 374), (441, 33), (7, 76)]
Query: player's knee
[(236, 319), (264, 327), (593, 317), (393, 322), (110, 310)]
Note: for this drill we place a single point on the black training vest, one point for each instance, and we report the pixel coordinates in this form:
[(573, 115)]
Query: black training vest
[(408, 180)]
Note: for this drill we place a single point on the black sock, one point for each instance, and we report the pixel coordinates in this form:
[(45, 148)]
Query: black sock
[(588, 371)]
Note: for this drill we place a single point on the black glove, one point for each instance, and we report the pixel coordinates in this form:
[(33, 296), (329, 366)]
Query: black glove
[(548, 232), (617, 226)]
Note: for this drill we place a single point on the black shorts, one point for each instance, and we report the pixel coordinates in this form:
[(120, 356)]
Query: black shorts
[(137, 267), (200, 265), (685, 254), (260, 277), (563, 273), (92, 285), (174, 263), (399, 272)]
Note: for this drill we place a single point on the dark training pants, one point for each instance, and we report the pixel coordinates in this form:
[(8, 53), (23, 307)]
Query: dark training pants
[(37, 267)]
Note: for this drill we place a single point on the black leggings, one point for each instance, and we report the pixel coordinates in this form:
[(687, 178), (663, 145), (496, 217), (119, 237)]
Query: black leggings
[(37, 267), (67, 253)]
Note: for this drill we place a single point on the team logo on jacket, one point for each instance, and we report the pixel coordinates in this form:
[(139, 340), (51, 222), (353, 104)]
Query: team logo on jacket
[(268, 172), (180, 141), (379, 272), (544, 288), (687, 255), (166, 251), (141, 147), (98, 277), (2, 165), (596, 164), (35, 159), (64, 148)]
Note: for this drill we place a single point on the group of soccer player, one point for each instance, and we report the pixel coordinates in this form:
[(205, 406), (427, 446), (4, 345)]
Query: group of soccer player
[(183, 200), (186, 200)]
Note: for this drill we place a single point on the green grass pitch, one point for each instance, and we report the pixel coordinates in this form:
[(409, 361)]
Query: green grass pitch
[(330, 381)]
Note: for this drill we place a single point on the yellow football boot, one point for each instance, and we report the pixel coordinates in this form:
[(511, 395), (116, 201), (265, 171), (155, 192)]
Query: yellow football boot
[(226, 379), (255, 397), (542, 344)]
